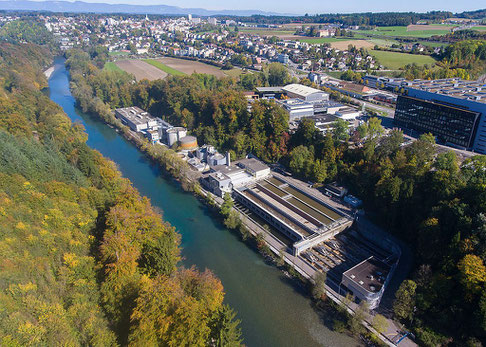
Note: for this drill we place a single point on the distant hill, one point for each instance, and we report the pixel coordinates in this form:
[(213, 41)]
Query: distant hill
[(84, 7)]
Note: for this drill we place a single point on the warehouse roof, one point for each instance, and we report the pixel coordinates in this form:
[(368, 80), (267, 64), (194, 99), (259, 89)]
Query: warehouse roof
[(300, 89)]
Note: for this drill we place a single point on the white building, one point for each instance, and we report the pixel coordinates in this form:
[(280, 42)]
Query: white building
[(297, 108), (347, 113), (136, 118), (305, 93)]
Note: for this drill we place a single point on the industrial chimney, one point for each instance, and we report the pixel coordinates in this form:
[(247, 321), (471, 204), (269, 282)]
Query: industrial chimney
[(228, 158)]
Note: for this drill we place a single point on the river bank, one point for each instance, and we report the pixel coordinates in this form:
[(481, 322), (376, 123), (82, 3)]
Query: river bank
[(48, 72)]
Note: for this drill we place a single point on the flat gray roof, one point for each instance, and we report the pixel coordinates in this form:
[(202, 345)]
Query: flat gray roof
[(270, 89), (370, 273)]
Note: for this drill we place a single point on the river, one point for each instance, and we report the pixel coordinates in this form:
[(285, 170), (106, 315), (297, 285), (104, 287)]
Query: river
[(274, 309)]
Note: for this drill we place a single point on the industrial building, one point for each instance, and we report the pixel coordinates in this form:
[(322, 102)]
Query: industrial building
[(297, 108), (453, 110), (270, 92), (306, 225), (324, 122), (136, 118), (227, 177), (299, 216), (367, 280), (309, 94), (154, 129)]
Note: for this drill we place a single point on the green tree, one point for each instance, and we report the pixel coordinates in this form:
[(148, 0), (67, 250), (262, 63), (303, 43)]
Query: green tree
[(404, 303), (227, 205), (278, 74), (340, 130), (225, 330), (319, 287), (319, 171), (301, 159)]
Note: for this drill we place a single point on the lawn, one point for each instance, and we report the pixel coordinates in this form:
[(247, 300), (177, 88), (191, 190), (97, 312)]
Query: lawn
[(320, 40), (111, 66), (335, 74), (395, 60), (163, 67), (235, 72), (402, 31)]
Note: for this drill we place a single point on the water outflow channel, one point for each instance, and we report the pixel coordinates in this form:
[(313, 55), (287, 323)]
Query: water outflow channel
[(273, 309)]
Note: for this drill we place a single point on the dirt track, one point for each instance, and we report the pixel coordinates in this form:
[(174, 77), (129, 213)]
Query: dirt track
[(343, 45), (141, 70)]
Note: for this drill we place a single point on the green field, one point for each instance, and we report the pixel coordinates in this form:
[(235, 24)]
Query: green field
[(479, 28), (111, 66), (395, 60), (164, 67), (320, 40), (235, 72), (335, 74), (402, 31)]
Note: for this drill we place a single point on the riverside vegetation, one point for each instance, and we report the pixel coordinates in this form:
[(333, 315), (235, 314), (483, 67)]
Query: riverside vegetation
[(85, 259)]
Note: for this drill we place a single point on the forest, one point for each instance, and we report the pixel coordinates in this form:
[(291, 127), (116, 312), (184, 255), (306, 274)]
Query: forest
[(463, 59), (84, 258), (432, 201), (363, 19)]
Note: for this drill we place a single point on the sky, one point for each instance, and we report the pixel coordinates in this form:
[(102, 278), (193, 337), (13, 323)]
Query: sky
[(317, 6)]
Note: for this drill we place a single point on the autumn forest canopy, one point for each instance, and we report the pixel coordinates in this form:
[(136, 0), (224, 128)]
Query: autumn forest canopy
[(84, 259)]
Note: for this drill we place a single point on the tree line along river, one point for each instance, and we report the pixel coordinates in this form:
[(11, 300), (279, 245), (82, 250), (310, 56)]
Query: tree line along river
[(273, 308)]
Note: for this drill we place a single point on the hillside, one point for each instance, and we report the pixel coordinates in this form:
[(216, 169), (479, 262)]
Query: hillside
[(84, 259)]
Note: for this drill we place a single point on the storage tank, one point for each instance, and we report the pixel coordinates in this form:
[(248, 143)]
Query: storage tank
[(216, 159), (171, 137), (188, 143)]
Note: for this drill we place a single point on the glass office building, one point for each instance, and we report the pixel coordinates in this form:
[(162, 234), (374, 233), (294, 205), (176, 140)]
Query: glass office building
[(450, 124)]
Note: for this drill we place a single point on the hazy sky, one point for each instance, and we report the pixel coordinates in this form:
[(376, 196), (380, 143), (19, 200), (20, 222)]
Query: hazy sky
[(319, 6)]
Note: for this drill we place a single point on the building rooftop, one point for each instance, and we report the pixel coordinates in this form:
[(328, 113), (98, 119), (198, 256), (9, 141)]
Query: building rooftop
[(269, 89), (227, 170), (370, 274), (219, 176), (253, 164), (300, 89), (347, 110), (135, 114), (455, 87), (323, 119)]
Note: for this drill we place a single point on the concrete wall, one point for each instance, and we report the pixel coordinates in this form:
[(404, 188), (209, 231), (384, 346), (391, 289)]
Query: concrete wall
[(303, 245)]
